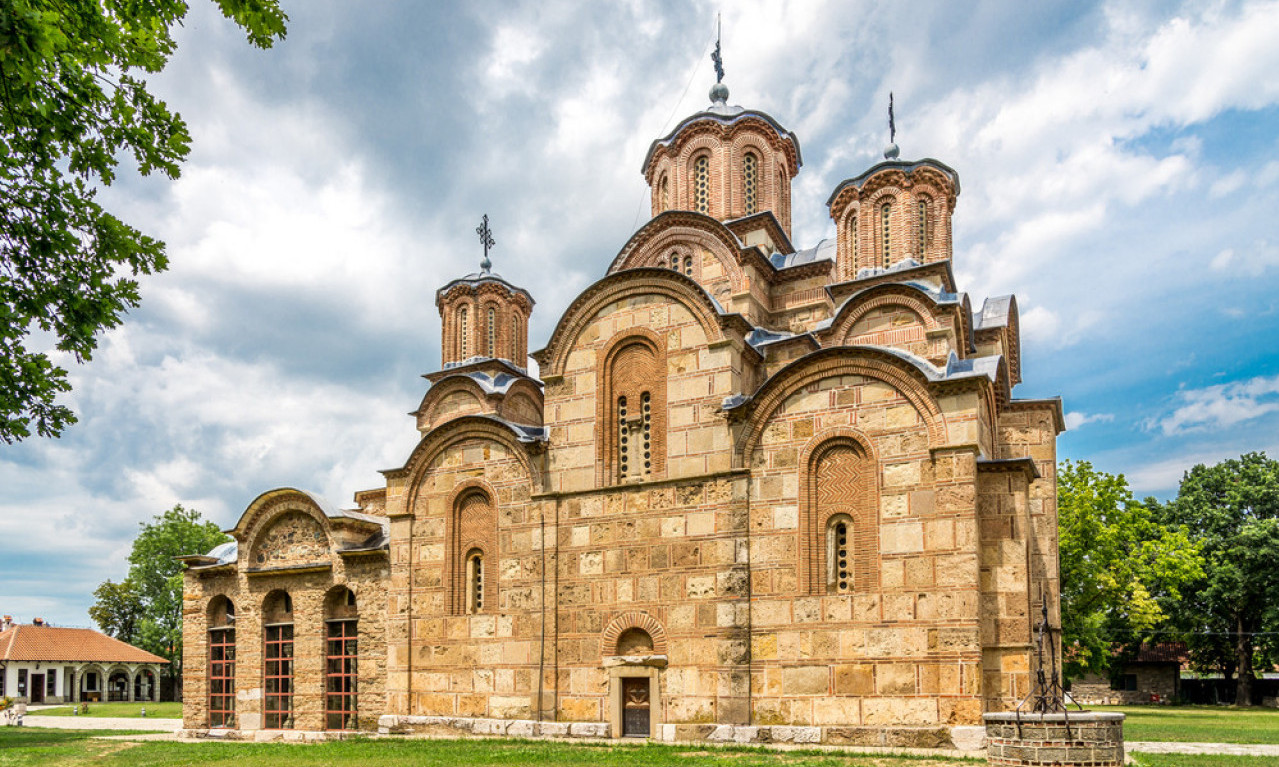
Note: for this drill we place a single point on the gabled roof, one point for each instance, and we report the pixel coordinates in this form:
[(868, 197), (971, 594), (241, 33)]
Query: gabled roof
[(49, 643)]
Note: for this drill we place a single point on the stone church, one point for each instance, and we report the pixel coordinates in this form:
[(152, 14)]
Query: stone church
[(757, 492)]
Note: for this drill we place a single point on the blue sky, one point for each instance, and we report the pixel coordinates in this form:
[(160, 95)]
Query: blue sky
[(1120, 170)]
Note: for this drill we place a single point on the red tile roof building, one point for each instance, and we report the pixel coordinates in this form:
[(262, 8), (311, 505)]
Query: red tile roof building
[(49, 664)]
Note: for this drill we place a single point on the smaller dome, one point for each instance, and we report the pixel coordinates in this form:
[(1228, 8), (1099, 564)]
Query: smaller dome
[(719, 93)]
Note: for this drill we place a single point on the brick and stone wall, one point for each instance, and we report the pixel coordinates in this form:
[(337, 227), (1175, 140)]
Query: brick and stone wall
[(1082, 739)]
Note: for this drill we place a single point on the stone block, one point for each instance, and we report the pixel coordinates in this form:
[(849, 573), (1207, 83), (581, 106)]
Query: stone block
[(806, 680), (588, 730)]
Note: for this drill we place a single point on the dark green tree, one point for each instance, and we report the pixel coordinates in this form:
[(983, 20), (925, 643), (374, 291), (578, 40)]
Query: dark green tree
[(118, 609), (156, 577), (1119, 566), (1228, 616), (73, 102)]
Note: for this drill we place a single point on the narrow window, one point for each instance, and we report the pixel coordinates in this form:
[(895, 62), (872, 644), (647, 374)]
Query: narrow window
[(475, 581), (840, 576), (221, 665), (51, 682), (464, 340), (885, 217), (688, 266), (341, 671), (515, 341), (923, 226), (750, 182), (702, 185), (664, 193), (277, 656), (646, 428), (623, 439), (492, 332), (852, 232), (22, 683)]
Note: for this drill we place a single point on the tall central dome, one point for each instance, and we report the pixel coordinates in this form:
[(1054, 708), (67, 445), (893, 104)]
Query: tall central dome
[(726, 162)]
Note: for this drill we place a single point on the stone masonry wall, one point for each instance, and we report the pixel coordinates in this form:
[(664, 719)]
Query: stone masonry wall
[(365, 575), (903, 647)]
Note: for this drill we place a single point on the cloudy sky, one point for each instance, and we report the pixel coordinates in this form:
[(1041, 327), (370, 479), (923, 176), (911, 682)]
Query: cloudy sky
[(1120, 168)]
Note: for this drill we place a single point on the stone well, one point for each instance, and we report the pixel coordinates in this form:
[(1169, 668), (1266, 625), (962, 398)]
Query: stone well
[(1074, 739)]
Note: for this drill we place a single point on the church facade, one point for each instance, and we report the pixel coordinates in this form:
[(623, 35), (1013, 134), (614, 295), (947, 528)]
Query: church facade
[(756, 492)]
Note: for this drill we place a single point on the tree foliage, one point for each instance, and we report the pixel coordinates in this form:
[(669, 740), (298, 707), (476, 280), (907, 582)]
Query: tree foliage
[(155, 578), (1119, 566), (1230, 615), (72, 102), (118, 609)]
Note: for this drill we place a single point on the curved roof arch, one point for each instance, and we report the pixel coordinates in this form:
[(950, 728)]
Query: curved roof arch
[(622, 284), (903, 371)]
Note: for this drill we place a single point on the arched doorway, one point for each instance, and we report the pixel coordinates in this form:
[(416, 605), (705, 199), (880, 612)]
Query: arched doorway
[(118, 686), (144, 687)]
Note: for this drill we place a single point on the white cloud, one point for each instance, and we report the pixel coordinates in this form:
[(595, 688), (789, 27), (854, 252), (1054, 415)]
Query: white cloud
[(1220, 406), (1076, 419)]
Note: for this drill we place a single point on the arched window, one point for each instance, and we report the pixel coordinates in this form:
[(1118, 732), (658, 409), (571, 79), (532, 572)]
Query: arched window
[(702, 185), (474, 581), (515, 341), (885, 221), (635, 390), (839, 538), (688, 266), (463, 334), (277, 660), (840, 520), (663, 193), (675, 261), (474, 532), (341, 664), (221, 662), (750, 182), (923, 226), (492, 332)]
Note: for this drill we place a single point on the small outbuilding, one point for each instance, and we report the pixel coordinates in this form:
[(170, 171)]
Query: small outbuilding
[(1152, 675), (40, 663)]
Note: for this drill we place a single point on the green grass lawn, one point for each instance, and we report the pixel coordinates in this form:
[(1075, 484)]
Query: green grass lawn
[(78, 749), (1199, 724), (122, 710), (1202, 760)]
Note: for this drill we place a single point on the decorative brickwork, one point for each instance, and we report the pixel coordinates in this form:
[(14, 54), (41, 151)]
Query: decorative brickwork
[(629, 621)]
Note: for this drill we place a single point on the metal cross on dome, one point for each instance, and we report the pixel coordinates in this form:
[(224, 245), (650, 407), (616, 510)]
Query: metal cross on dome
[(892, 124), (486, 239), (716, 57)]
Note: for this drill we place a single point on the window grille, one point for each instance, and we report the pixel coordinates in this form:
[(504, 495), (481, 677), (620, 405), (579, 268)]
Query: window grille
[(464, 340), (702, 185), (475, 581), (885, 216), (750, 182), (222, 677), (341, 673), (923, 226), (492, 332), (278, 677)]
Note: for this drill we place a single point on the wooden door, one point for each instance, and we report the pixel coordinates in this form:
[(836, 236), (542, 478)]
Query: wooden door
[(635, 707), (37, 688)]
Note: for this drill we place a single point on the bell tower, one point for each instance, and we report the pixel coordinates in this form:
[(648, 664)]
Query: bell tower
[(484, 317)]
